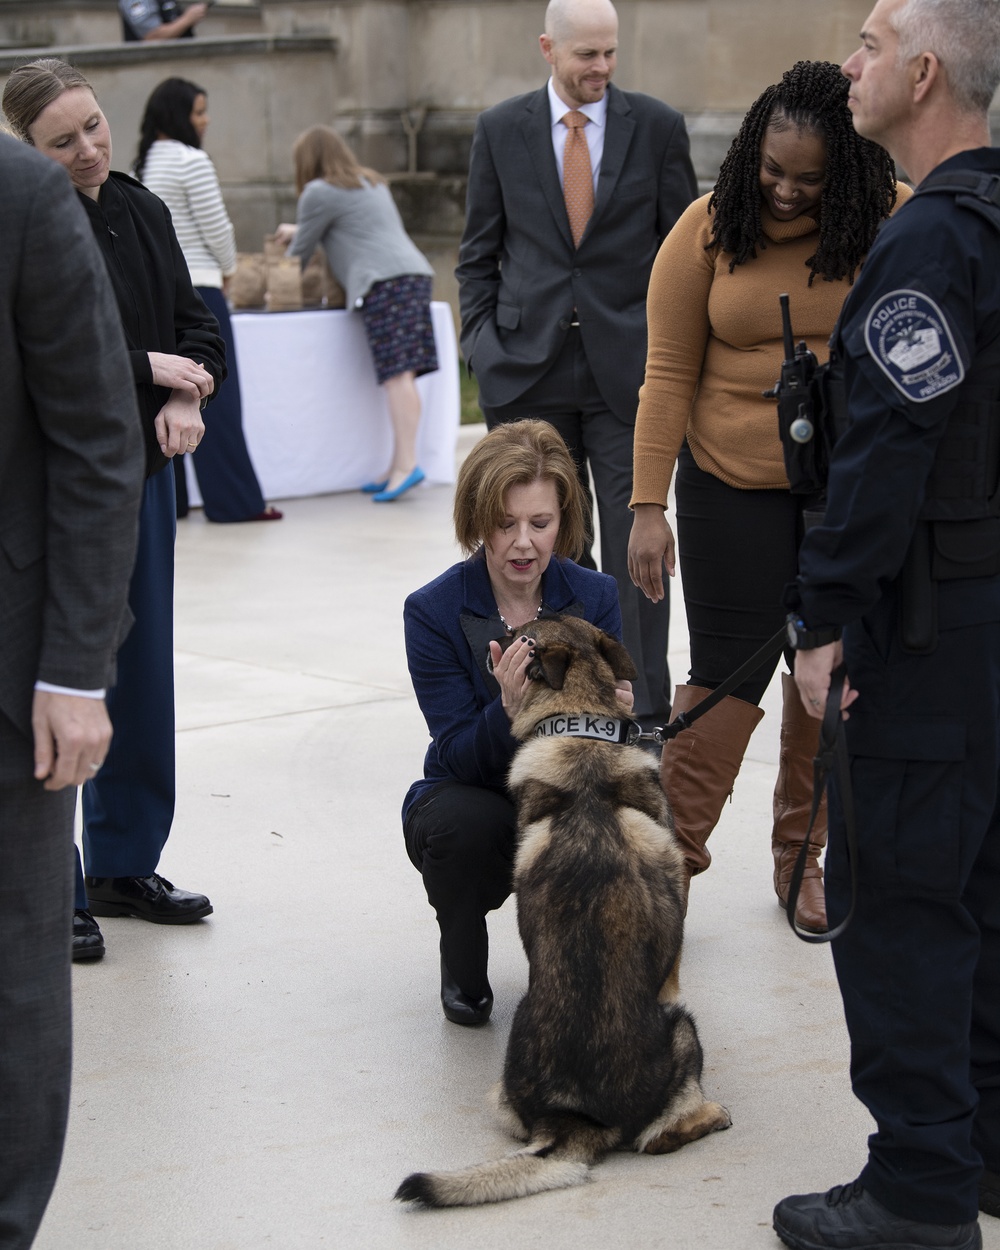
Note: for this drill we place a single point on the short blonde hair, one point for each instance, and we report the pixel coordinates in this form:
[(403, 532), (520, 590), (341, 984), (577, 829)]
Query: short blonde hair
[(517, 454)]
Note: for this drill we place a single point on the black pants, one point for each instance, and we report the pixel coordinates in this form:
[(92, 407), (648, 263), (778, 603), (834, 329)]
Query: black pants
[(738, 550), (919, 965), (36, 847), (462, 840)]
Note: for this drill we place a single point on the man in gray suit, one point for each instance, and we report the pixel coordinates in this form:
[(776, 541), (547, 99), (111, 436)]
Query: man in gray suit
[(553, 280), (71, 470)]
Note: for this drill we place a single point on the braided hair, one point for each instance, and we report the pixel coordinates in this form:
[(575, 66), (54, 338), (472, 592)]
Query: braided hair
[(858, 190)]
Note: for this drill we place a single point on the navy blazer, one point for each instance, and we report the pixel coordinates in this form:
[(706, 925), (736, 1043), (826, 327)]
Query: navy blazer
[(520, 277), (448, 625)]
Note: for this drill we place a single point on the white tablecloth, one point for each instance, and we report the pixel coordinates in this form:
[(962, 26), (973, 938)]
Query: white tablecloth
[(314, 417)]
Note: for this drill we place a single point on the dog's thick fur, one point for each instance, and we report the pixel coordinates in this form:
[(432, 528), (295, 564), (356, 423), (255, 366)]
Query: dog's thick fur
[(600, 1055)]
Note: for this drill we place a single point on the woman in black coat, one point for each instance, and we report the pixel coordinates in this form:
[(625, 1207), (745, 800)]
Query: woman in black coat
[(178, 361)]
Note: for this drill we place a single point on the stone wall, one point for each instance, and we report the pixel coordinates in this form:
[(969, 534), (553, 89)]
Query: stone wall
[(67, 23), (404, 80), (431, 66), (263, 91), (454, 58)]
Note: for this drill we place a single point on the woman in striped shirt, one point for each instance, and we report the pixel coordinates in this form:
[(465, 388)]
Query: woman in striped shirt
[(173, 166)]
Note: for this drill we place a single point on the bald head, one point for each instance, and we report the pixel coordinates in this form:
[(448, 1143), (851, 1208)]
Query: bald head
[(581, 45), (564, 18)]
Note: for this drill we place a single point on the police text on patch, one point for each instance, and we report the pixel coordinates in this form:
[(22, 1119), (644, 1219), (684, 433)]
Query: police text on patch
[(909, 338)]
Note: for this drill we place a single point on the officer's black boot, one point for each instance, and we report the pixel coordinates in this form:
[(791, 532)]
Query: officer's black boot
[(847, 1217)]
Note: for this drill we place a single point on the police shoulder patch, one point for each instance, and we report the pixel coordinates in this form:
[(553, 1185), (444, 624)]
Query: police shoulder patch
[(909, 338)]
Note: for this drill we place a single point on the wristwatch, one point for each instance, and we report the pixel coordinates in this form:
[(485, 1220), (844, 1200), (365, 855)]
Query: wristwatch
[(802, 639)]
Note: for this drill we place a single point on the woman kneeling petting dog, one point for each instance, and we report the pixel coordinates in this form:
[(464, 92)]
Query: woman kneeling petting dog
[(519, 517), (601, 1055)]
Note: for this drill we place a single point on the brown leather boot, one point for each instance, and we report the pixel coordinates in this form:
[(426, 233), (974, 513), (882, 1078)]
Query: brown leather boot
[(792, 804), (699, 766)]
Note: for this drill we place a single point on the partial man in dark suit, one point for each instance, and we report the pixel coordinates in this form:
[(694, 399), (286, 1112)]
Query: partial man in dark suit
[(572, 188), (71, 472)]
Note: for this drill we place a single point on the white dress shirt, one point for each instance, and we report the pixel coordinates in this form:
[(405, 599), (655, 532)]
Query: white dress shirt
[(594, 131)]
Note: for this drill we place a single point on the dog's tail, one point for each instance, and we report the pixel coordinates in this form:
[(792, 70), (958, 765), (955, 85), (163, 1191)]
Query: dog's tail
[(556, 1159)]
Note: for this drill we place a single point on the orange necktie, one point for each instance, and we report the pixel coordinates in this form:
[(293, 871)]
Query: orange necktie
[(578, 179)]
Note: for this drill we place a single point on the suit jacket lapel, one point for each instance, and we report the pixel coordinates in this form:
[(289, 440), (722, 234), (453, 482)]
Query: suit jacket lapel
[(537, 131), (618, 133), (480, 621)]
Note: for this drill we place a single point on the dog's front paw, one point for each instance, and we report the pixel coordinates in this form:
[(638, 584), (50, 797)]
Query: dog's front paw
[(710, 1117), (721, 1119)]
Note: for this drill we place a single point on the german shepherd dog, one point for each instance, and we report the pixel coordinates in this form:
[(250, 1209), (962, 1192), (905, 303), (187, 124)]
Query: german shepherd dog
[(600, 1055)]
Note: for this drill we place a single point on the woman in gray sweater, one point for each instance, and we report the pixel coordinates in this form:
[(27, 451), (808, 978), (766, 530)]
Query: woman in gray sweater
[(350, 211)]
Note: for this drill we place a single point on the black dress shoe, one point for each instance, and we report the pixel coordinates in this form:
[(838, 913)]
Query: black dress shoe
[(847, 1217), (88, 943), (459, 1008), (150, 898), (989, 1193)]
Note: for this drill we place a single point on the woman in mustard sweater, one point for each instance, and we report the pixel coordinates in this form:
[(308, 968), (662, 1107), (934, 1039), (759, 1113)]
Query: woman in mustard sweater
[(799, 199)]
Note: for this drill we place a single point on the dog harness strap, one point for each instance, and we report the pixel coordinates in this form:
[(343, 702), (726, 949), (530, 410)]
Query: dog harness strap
[(584, 725)]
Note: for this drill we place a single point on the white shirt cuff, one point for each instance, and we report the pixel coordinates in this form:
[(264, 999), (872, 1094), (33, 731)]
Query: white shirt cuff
[(48, 688)]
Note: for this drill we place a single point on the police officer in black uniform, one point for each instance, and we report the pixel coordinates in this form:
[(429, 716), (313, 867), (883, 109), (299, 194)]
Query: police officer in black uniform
[(907, 565), (158, 19)]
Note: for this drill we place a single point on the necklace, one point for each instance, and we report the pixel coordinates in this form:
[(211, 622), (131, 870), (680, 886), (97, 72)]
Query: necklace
[(510, 628)]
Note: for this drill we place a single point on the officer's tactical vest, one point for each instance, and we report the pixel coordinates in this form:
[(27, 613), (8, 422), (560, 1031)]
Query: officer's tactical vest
[(962, 504), (964, 483)]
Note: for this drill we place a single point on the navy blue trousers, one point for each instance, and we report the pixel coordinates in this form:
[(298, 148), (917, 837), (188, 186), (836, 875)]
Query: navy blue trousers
[(226, 478), (129, 806), (919, 966)]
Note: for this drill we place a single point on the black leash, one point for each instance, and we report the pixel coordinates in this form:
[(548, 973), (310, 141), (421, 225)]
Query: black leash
[(832, 753), (686, 719)]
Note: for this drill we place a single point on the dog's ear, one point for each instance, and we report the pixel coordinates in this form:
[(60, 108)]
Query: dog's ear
[(550, 665), (617, 657)]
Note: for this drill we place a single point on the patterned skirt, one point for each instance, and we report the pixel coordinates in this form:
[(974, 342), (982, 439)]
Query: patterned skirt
[(397, 315)]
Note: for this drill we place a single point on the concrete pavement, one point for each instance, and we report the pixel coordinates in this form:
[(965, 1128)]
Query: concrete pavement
[(265, 1079)]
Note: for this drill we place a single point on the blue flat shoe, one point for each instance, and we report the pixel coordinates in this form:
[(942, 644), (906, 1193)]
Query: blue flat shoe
[(387, 496), (375, 488)]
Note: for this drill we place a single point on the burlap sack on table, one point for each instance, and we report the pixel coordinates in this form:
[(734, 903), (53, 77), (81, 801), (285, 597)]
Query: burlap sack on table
[(320, 289), (272, 280), (248, 285), (284, 285), (284, 277)]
